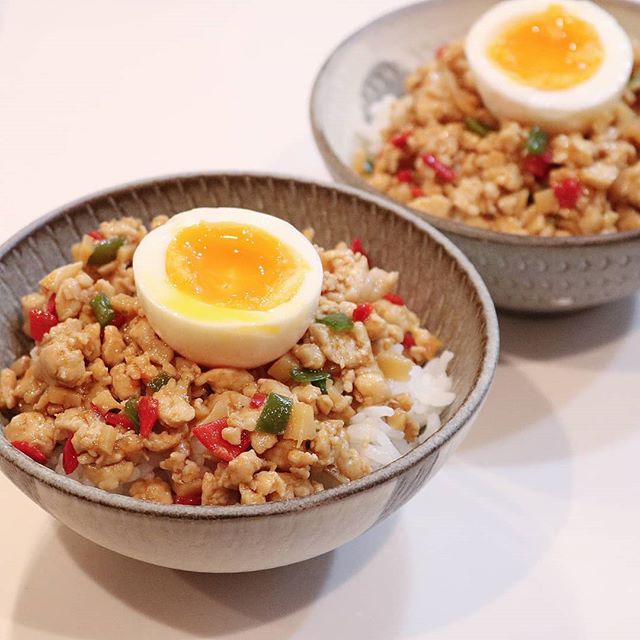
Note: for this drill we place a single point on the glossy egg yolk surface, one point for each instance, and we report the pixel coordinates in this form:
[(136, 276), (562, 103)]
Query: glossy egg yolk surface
[(237, 266), (550, 50)]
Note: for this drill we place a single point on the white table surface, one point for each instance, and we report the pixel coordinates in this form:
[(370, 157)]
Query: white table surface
[(532, 530)]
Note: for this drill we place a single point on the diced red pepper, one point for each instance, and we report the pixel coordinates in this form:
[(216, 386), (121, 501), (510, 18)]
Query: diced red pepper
[(400, 139), (539, 165), (405, 175), (362, 312), (416, 192), (443, 171), (119, 319), (96, 235), (408, 341), (99, 410), (30, 450), (69, 457), (148, 414), (257, 400), (119, 420), (210, 435), (567, 192), (51, 305), (189, 500), (394, 298), (40, 322), (356, 247)]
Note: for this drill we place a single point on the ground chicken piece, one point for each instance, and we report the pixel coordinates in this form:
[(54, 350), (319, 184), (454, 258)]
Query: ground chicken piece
[(57, 364), (164, 441), (127, 226), (34, 428), (153, 490), (29, 388), (111, 477), (398, 315), (123, 385), (143, 335), (125, 304), (268, 385), (213, 491), (372, 386), (68, 422), (599, 175), (266, 484), (113, 346), (173, 409), (279, 454), (435, 204), (20, 366), (248, 496), (100, 372), (261, 441), (307, 393), (310, 355), (299, 458), (72, 295), (349, 349), (627, 187), (158, 221), (242, 468), (351, 464), (60, 397), (300, 487), (94, 436), (55, 278), (8, 382), (225, 379), (245, 418)]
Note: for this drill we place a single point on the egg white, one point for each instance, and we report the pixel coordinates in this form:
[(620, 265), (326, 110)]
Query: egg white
[(215, 335), (555, 110)]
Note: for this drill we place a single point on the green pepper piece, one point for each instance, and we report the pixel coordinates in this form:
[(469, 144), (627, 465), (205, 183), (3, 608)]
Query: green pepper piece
[(131, 411), (105, 251), (275, 414), (102, 309), (159, 381), (477, 126), (634, 81), (367, 165), (338, 322), (316, 377), (537, 141)]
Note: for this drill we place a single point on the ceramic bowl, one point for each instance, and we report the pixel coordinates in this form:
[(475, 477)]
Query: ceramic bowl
[(437, 281), (528, 274)]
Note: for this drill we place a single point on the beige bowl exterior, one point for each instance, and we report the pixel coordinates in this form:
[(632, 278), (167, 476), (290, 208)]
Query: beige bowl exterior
[(526, 274), (437, 281)]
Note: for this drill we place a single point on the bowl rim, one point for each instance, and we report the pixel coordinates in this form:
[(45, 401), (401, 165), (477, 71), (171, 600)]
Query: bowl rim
[(464, 413), (347, 175)]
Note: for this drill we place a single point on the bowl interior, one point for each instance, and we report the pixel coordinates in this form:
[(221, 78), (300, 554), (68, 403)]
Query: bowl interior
[(436, 283), (375, 61)]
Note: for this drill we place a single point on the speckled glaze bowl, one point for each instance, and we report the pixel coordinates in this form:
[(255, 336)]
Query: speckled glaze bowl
[(438, 282), (527, 274)]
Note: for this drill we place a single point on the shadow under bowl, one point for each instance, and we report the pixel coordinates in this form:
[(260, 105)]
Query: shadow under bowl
[(438, 282), (523, 273)]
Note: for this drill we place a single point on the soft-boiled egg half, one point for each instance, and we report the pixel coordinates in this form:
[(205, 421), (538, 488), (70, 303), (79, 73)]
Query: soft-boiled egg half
[(556, 63), (228, 287)]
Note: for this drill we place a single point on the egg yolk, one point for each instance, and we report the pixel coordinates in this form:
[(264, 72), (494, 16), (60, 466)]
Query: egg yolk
[(233, 265), (551, 50)]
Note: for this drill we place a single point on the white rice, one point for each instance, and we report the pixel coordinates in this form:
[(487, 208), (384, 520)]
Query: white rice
[(383, 113), (430, 390)]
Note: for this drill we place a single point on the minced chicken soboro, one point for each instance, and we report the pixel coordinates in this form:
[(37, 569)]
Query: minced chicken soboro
[(102, 399), (440, 151)]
